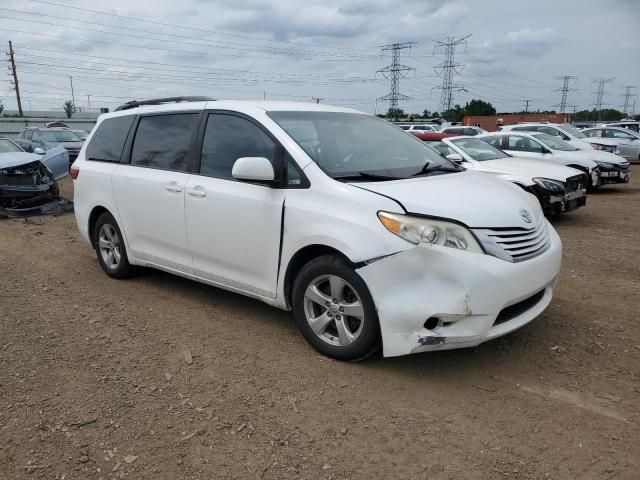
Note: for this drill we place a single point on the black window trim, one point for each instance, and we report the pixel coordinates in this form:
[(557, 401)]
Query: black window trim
[(280, 167), (128, 147)]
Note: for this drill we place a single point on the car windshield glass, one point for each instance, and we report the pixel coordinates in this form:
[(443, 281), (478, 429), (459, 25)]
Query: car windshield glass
[(355, 145), (571, 130), (8, 147), (478, 150), (554, 143), (59, 136)]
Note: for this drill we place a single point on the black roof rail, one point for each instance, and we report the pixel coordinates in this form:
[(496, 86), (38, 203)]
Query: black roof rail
[(160, 101)]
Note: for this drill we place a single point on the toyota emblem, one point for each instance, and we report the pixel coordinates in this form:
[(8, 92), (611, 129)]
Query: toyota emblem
[(526, 216)]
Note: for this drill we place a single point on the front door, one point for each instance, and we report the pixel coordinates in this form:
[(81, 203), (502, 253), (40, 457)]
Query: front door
[(234, 227)]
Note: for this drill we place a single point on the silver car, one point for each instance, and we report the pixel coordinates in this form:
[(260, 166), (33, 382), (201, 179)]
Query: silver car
[(627, 142)]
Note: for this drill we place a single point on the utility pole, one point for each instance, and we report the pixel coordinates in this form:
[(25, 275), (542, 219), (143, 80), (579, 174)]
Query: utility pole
[(447, 68), (73, 98), (317, 99), (600, 94), (15, 77), (627, 99), (564, 90), (264, 94), (89, 101), (394, 72), (526, 106)]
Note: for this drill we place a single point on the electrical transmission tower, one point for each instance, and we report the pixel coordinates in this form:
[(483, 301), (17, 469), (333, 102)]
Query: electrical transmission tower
[(395, 71), (448, 67), (626, 107), (600, 93), (564, 90)]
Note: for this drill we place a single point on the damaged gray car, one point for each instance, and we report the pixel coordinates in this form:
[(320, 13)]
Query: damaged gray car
[(28, 181)]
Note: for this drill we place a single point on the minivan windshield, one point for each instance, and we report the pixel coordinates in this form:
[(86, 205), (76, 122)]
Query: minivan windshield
[(478, 149), (554, 143), (571, 130), (354, 146)]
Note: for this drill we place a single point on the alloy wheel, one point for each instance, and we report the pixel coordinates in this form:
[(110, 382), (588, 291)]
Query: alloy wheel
[(109, 246)]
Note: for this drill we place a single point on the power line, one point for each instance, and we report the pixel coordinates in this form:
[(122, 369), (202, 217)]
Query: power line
[(564, 90), (447, 68), (394, 72), (626, 107)]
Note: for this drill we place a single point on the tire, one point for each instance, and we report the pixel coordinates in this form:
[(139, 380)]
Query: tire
[(108, 238), (345, 330)]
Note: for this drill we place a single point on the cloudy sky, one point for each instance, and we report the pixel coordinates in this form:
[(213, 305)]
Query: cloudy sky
[(295, 50)]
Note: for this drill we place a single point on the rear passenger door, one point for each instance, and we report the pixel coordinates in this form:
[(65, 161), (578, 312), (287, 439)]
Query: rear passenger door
[(234, 227), (150, 189)]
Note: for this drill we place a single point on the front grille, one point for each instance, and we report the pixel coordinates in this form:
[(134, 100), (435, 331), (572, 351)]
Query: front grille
[(515, 244), (575, 183), (512, 311)]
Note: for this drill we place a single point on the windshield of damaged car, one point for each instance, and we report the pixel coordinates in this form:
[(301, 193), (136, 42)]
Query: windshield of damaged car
[(478, 150), (571, 130), (61, 136), (352, 145), (8, 147), (554, 143)]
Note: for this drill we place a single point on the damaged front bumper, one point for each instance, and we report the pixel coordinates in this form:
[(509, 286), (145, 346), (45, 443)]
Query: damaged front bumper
[(439, 298)]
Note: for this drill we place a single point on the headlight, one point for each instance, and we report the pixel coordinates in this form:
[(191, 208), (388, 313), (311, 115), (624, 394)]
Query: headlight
[(605, 164), (425, 230), (604, 148), (554, 186)]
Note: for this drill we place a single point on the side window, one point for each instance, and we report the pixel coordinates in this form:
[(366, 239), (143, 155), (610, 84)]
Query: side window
[(163, 141), (619, 134), (523, 144), (593, 133), (295, 177), (28, 134), (228, 138), (525, 129), (550, 131), (470, 131), (495, 141), (108, 141)]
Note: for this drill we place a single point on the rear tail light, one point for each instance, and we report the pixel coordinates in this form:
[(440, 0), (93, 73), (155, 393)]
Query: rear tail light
[(74, 172)]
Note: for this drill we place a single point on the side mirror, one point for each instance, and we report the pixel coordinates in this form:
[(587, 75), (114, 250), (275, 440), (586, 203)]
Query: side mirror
[(39, 151), (455, 157), (83, 138), (253, 169)]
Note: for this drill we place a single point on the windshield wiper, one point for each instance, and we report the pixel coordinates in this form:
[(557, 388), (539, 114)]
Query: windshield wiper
[(367, 176), (427, 169)]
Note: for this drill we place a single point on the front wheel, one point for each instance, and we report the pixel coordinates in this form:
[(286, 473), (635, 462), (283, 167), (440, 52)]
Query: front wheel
[(334, 310)]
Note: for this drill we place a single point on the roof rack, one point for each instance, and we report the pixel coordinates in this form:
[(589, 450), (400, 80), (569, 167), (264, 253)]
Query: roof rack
[(160, 101)]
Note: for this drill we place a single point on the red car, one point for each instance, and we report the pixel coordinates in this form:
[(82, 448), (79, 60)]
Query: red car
[(434, 136)]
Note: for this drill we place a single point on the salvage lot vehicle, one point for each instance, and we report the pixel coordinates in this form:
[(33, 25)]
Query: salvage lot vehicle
[(460, 130), (48, 138), (558, 188), (28, 180), (626, 141), (366, 233), (565, 131), (602, 167)]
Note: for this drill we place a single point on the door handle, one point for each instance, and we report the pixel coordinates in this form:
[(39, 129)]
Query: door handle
[(197, 192), (173, 187)]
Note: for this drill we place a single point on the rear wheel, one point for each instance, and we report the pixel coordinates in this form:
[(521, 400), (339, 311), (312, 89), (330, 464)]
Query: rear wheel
[(334, 310), (110, 248)]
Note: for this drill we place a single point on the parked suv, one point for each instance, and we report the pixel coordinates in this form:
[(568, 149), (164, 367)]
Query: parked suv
[(47, 138), (366, 233)]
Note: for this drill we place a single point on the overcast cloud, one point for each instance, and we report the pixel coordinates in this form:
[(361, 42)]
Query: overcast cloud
[(296, 50)]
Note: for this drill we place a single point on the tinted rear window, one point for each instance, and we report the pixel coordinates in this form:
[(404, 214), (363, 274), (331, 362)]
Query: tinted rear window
[(163, 141), (108, 141)]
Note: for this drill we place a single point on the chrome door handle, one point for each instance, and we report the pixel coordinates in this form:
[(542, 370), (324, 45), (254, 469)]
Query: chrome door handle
[(173, 187), (196, 192)]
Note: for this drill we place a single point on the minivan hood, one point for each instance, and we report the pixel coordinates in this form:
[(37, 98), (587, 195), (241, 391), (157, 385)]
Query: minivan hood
[(473, 198), (529, 168)]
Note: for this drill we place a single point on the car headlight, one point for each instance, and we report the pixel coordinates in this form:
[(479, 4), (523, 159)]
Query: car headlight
[(419, 230), (605, 164), (554, 186), (604, 148)]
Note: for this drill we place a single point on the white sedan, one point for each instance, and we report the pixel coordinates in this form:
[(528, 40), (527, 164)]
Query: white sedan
[(626, 142), (558, 188)]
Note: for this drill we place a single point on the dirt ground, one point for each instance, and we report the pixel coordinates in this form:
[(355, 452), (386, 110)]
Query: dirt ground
[(160, 377)]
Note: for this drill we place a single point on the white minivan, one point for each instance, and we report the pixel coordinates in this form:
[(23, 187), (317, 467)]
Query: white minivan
[(368, 235)]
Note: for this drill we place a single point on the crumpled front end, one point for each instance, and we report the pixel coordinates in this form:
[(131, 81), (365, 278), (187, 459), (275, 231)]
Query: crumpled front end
[(25, 189), (438, 298)]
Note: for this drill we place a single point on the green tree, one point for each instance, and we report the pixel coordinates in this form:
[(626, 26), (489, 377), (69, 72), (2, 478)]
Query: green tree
[(395, 113), (1, 107), (479, 107), (69, 108)]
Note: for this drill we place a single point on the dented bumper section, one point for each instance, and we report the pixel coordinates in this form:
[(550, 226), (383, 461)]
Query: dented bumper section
[(439, 298)]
